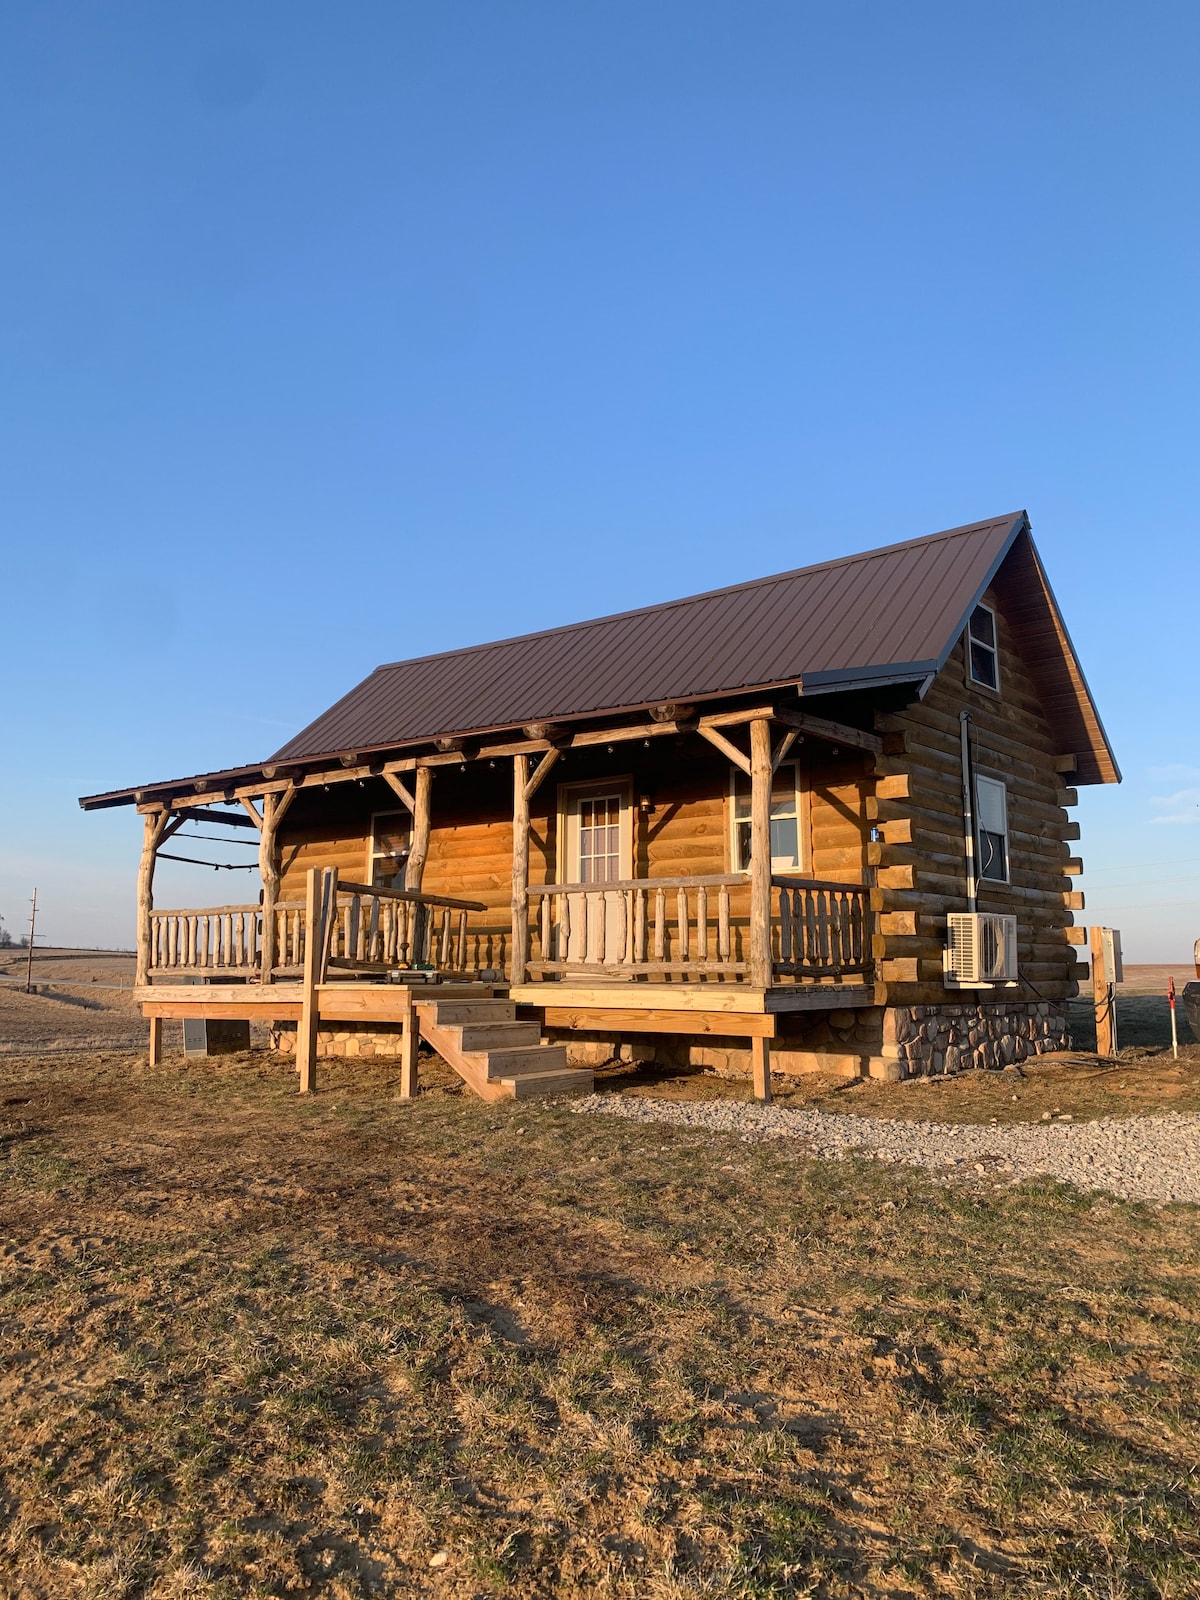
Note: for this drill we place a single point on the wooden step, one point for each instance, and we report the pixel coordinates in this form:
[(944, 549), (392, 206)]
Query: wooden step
[(453, 1012), (529, 1085), (531, 1058), (489, 1035)]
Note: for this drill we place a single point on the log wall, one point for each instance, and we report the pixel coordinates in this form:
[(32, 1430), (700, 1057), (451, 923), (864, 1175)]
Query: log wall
[(470, 851), (918, 800)]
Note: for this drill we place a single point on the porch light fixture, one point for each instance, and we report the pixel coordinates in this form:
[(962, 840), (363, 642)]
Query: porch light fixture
[(646, 804)]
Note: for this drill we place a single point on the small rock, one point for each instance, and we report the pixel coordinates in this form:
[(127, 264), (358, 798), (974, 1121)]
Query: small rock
[(443, 1556)]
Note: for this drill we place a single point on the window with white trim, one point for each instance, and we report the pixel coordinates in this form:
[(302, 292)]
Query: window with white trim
[(991, 818), (391, 841), (789, 821), (983, 656)]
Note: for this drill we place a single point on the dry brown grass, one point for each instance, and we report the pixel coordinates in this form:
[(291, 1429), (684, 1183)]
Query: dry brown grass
[(259, 1346)]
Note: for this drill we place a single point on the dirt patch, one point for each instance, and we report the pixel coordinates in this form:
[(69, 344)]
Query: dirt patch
[(257, 1345)]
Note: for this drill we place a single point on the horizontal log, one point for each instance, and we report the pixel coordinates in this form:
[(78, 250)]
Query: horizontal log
[(410, 894), (1067, 797)]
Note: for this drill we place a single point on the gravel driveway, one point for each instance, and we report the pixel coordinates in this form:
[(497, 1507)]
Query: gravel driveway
[(1135, 1158)]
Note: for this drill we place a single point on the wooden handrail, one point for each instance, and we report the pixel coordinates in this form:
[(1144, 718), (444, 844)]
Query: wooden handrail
[(411, 894), (788, 882), (712, 881), (204, 911)]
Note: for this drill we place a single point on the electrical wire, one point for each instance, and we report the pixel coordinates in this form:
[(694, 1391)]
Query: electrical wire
[(217, 866)]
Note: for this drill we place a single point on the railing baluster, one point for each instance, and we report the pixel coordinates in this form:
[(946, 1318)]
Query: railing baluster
[(545, 911), (681, 923), (462, 940), (639, 925), (702, 923), (660, 924), (723, 946)]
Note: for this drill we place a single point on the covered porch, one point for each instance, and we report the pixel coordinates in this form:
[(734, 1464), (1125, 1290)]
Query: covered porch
[(686, 953)]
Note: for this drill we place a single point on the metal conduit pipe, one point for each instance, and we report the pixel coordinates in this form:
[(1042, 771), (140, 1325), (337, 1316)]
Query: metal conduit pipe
[(964, 725)]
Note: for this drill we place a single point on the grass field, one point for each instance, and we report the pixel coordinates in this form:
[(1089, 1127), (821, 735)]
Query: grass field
[(260, 1346)]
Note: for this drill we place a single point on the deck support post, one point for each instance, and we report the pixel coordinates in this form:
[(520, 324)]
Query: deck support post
[(152, 837), (155, 1041), (410, 1041), (520, 870), (760, 1065), (760, 854), (314, 944), (415, 866)]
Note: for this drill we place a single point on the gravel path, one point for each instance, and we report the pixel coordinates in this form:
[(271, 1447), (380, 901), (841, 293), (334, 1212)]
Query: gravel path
[(1135, 1158)]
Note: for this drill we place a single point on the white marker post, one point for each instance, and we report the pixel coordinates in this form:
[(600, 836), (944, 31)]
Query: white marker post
[(1174, 1029)]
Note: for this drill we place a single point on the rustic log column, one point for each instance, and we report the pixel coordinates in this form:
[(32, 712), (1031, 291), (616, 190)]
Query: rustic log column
[(155, 827), (415, 866), (274, 808), (520, 870), (760, 853), (268, 871)]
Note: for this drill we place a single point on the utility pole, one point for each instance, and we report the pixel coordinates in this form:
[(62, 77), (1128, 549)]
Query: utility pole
[(32, 928)]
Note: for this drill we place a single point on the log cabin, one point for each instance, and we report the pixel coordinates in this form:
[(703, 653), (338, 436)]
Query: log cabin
[(813, 821)]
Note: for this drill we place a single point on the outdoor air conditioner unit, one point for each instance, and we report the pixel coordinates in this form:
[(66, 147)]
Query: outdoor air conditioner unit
[(981, 950)]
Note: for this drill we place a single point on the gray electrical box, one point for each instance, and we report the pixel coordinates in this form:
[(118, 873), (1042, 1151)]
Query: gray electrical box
[(1112, 954), (214, 1036)]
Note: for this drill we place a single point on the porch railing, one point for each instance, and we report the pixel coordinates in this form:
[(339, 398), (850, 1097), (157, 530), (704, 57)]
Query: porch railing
[(371, 930), (636, 926), (698, 927), (820, 930)]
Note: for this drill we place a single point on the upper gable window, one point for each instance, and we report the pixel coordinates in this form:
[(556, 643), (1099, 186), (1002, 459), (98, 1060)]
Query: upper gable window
[(982, 655)]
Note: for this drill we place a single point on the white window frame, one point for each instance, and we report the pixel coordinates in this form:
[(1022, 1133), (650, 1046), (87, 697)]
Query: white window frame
[(803, 829), (994, 648), (995, 783), (373, 853), (567, 843)]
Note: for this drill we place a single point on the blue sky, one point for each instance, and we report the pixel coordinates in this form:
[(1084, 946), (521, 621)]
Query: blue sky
[(331, 335)]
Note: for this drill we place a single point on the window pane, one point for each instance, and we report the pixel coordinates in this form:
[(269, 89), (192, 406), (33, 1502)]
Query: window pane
[(983, 666), (993, 856), (785, 851), (983, 626), (990, 798), (743, 847)]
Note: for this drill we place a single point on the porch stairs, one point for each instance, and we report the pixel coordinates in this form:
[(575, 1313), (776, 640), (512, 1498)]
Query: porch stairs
[(496, 1056)]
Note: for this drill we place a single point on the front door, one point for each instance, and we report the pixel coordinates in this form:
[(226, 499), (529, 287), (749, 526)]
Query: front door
[(598, 850)]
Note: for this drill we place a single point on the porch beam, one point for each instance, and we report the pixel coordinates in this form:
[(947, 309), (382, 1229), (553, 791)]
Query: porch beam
[(726, 747), (539, 773), (782, 748), (834, 732), (401, 789)]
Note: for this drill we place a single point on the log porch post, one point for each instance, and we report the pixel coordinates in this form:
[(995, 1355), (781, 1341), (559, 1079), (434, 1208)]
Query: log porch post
[(274, 807), (760, 853), (155, 827), (415, 866), (520, 870)]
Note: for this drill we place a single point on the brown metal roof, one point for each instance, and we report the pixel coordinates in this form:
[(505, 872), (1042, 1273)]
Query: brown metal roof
[(890, 615)]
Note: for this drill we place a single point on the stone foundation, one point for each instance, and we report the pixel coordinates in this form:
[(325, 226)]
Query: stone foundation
[(343, 1039), (928, 1041)]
